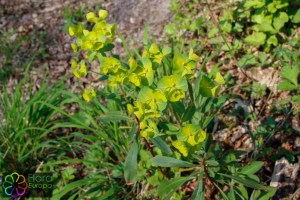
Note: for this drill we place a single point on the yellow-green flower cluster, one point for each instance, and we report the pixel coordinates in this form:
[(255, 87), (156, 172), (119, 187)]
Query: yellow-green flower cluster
[(174, 87), (151, 103), (185, 65), (148, 107), (88, 94), (112, 67), (155, 54), (140, 73), (94, 43), (190, 135), (79, 70), (96, 39)]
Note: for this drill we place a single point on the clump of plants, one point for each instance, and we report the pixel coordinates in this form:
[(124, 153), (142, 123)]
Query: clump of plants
[(266, 23), (173, 103)]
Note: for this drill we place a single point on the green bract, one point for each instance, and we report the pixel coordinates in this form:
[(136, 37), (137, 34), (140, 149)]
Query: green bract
[(156, 99), (140, 73), (182, 148), (88, 94), (110, 65), (150, 130), (184, 64), (174, 87), (144, 72), (79, 70), (192, 134), (155, 54)]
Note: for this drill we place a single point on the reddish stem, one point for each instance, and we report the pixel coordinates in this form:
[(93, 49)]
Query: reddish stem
[(153, 155), (149, 148), (206, 172)]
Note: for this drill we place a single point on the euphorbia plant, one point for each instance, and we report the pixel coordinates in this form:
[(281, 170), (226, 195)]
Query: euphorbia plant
[(172, 103)]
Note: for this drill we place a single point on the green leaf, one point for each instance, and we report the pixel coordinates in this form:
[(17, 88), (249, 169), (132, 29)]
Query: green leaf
[(206, 87), (285, 85), (253, 177), (199, 193), (131, 165), (272, 40), (103, 78), (149, 74), (160, 143), (252, 168), (290, 74), (169, 126), (272, 7), (242, 191), (226, 26), (262, 57), (146, 32), (212, 32), (257, 38), (231, 194), (221, 192), (166, 51), (296, 98), (167, 188), (264, 27), (247, 60), (257, 18), (171, 28), (213, 163), (278, 22), (178, 107), (249, 183), (263, 195), (133, 131), (216, 40), (164, 161), (255, 194), (189, 113), (82, 117), (296, 18), (254, 3), (196, 24)]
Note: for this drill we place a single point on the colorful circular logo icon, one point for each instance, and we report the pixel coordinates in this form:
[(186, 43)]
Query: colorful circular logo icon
[(14, 185)]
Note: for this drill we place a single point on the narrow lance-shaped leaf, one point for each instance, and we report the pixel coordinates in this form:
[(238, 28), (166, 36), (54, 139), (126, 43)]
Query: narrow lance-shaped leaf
[(167, 188), (160, 143), (199, 193), (249, 183), (131, 166), (252, 168), (164, 161), (189, 113)]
